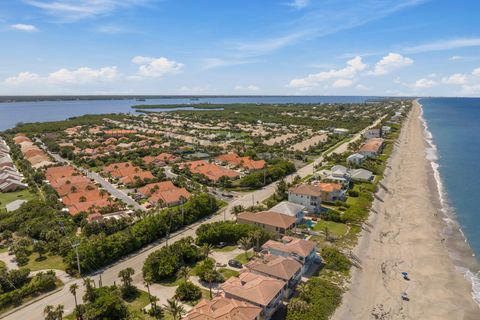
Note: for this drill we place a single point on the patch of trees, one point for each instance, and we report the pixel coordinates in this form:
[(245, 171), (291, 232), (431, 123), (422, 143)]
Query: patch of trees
[(166, 262), (335, 260), (275, 170), (100, 250), (17, 285), (229, 232), (317, 300)]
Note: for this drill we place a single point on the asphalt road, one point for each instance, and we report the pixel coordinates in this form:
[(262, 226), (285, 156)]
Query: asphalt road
[(109, 275)]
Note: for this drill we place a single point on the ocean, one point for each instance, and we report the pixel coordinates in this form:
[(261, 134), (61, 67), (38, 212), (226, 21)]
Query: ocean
[(453, 132), (12, 113)]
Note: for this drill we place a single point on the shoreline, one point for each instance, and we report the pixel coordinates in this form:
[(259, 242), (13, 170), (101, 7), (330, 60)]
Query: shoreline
[(456, 243), (407, 236)]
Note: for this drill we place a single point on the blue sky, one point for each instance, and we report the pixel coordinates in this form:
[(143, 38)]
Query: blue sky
[(299, 47)]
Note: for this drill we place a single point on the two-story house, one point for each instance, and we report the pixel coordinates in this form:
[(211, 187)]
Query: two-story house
[(307, 195)]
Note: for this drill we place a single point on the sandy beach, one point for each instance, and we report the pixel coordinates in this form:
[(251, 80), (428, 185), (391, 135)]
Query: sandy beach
[(406, 236)]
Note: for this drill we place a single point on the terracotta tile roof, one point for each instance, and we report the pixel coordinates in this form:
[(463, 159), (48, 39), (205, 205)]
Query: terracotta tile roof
[(329, 187), (210, 170), (54, 173), (127, 172), (306, 189), (164, 157), (372, 145), (293, 245), (245, 162), (275, 266), (252, 287), (270, 218), (221, 308), (165, 191), (119, 132)]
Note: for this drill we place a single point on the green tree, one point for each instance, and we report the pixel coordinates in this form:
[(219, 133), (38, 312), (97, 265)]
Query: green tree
[(40, 248), (245, 243), (176, 310), (187, 291), (125, 275), (183, 273), (206, 250), (210, 277), (73, 291)]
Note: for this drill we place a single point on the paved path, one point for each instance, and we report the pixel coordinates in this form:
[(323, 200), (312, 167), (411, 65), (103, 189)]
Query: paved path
[(109, 274)]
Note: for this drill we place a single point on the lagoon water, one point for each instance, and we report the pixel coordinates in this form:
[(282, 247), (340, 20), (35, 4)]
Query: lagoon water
[(12, 113)]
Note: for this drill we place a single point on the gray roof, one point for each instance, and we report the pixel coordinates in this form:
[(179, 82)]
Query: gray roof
[(288, 208), (361, 174)]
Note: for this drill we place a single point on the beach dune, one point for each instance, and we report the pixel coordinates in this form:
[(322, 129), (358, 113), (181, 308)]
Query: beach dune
[(406, 237)]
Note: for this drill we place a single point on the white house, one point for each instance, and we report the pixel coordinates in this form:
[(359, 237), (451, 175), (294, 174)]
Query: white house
[(372, 133), (288, 208), (386, 130), (361, 175), (355, 159), (306, 195), (341, 131)]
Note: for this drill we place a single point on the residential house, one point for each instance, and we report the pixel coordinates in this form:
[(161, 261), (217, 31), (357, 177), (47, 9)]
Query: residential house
[(261, 291), (361, 175), (372, 148), (221, 308), (341, 131), (278, 267), (386, 130), (211, 171), (164, 192), (301, 250), (291, 209), (372, 133), (355, 159), (337, 174), (331, 192), (275, 222), (307, 195), (127, 173), (235, 160)]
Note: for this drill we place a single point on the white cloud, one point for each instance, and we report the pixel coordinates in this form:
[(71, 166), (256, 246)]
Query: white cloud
[(250, 87), (389, 63), (457, 78), (299, 4), (212, 63), (83, 75), (195, 89), (343, 83), (24, 27), (445, 45), (423, 83), (156, 67), (455, 58), (21, 78), (476, 72), (74, 10), (471, 89), (354, 66)]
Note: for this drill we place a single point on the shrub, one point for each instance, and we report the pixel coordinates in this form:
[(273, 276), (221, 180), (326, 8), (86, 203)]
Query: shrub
[(229, 232), (187, 291), (335, 260), (353, 193)]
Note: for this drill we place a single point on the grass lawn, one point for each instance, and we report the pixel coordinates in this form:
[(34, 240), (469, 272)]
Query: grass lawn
[(335, 228), (225, 249), (228, 273), (172, 281), (244, 258), (52, 262), (6, 198)]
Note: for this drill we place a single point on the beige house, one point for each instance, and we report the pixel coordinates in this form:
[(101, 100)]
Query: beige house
[(275, 222), (278, 267), (261, 291), (221, 308)]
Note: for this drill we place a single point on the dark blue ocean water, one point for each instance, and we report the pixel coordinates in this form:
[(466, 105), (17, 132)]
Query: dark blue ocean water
[(14, 112), (455, 126)]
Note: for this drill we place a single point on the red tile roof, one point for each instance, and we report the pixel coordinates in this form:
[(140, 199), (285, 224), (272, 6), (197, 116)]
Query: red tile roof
[(210, 170), (245, 162)]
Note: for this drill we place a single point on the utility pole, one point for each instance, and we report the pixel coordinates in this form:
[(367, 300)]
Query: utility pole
[(75, 246)]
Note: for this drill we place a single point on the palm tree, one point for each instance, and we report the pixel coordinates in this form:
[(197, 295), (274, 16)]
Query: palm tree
[(303, 289), (210, 276), (53, 313), (298, 305), (245, 243), (255, 235), (73, 291), (183, 273), (126, 278), (175, 308), (206, 250)]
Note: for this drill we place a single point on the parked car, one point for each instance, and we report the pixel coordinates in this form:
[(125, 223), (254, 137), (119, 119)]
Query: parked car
[(221, 245), (235, 263), (220, 265)]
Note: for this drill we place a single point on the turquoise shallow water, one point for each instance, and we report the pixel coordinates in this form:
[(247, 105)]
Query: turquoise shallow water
[(455, 127)]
